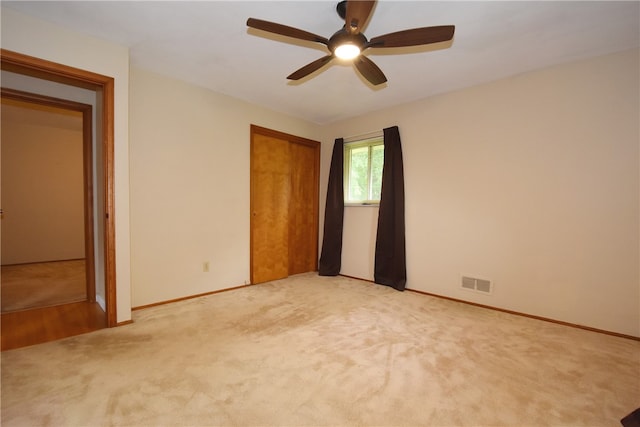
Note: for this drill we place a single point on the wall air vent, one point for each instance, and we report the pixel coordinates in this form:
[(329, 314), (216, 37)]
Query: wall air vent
[(483, 286), (469, 283)]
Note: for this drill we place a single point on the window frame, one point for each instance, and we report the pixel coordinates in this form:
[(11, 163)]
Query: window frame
[(348, 147)]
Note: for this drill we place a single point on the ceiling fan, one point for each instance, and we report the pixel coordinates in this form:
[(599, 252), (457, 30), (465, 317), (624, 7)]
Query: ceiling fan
[(348, 43)]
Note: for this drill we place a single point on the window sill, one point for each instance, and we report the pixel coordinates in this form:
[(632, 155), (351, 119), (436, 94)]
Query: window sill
[(362, 205)]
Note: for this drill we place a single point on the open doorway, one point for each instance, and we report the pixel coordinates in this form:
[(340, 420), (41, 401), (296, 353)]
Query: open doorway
[(47, 202), (83, 316)]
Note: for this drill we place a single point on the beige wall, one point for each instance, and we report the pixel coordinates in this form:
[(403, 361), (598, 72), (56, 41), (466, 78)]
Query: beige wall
[(30, 36), (42, 191), (190, 186), (531, 181)]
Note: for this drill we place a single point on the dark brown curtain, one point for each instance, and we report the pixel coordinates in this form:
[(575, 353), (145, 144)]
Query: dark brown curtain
[(331, 255), (390, 260)]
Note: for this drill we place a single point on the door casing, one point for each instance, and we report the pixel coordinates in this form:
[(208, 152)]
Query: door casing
[(104, 87)]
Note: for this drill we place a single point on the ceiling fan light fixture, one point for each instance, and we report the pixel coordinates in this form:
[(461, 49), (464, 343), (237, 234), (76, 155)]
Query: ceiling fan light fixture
[(347, 51), (348, 43)]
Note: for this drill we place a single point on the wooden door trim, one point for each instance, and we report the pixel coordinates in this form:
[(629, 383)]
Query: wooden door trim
[(281, 135), (104, 86), (87, 168), (259, 130)]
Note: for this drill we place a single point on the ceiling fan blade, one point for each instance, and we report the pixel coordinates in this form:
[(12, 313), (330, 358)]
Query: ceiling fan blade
[(358, 12), (284, 30), (310, 68), (414, 37), (369, 70)]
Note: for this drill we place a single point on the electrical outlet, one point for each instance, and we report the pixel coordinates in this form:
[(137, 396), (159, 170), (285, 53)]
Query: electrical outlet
[(205, 266)]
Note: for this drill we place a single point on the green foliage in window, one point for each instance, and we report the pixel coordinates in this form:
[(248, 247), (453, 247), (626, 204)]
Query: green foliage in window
[(363, 171), (377, 161)]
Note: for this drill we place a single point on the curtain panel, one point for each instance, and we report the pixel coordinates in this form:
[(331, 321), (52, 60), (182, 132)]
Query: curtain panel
[(390, 256), (331, 254)]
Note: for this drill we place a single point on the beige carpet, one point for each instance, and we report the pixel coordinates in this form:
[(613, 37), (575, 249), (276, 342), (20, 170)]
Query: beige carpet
[(318, 351), (42, 284)]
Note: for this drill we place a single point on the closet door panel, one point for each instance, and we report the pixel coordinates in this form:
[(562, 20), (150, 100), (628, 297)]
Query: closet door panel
[(270, 195), (303, 208)]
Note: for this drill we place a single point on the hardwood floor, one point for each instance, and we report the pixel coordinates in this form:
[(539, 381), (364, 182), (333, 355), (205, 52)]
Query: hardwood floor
[(28, 327), (42, 284)]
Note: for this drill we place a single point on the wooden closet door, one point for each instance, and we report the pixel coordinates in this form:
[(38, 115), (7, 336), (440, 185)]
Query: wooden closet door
[(303, 208), (284, 204), (270, 191)]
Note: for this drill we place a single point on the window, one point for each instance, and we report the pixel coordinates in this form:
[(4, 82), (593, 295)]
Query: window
[(363, 161)]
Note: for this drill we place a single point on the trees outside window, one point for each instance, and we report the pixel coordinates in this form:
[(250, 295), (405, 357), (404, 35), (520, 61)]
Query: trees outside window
[(363, 162)]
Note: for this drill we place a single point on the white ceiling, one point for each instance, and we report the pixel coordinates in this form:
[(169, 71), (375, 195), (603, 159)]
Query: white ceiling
[(208, 43)]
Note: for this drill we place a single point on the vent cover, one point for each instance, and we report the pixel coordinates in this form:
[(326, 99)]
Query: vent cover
[(475, 284), (469, 283)]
